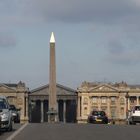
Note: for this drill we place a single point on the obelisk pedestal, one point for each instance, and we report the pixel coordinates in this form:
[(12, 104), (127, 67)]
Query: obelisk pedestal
[(53, 112)]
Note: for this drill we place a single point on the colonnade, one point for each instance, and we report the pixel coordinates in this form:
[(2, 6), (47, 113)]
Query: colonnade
[(43, 110)]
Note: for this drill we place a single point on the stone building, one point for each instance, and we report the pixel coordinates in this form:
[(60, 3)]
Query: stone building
[(39, 104), (115, 99), (17, 95)]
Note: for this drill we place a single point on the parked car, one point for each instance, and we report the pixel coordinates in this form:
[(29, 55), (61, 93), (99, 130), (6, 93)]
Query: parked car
[(134, 115), (5, 114), (98, 117), (15, 114), (0, 125)]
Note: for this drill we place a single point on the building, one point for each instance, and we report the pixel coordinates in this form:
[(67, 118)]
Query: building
[(115, 99), (39, 104), (17, 95)]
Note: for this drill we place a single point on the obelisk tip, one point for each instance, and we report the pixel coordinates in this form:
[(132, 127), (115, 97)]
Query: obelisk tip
[(52, 39)]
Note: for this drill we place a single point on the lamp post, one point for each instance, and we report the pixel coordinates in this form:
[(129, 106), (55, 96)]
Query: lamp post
[(127, 97)]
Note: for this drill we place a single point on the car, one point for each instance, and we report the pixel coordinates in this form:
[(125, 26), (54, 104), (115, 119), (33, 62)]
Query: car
[(134, 115), (5, 114), (15, 114), (0, 125), (98, 117)]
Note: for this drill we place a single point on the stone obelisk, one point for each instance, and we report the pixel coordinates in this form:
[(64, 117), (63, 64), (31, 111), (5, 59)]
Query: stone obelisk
[(52, 113)]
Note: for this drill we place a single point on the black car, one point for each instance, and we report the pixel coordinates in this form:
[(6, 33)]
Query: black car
[(98, 117), (15, 114)]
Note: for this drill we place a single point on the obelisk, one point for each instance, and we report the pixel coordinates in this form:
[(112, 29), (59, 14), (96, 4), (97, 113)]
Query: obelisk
[(52, 113)]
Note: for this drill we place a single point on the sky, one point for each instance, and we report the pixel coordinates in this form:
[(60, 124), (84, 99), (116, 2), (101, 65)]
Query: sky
[(96, 41)]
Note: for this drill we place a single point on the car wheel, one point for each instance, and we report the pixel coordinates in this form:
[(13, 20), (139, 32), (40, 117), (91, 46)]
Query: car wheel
[(129, 122)]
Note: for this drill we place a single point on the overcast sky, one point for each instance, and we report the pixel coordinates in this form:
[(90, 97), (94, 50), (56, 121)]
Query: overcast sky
[(96, 40)]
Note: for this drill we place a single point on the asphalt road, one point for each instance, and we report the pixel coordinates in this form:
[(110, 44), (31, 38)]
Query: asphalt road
[(79, 132), (4, 135)]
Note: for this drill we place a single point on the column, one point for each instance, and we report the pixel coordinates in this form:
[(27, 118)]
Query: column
[(108, 106), (99, 103), (27, 107), (64, 111), (117, 108), (126, 106), (128, 103), (42, 111), (137, 100), (78, 108), (58, 110)]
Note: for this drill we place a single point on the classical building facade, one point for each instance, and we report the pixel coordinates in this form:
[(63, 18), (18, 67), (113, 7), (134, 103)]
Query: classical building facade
[(115, 99), (66, 104), (17, 95)]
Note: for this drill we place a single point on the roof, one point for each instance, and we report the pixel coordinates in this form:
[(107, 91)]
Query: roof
[(61, 90), (115, 85), (10, 85)]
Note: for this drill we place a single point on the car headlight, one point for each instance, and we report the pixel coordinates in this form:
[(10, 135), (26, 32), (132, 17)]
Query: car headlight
[(14, 114), (4, 116)]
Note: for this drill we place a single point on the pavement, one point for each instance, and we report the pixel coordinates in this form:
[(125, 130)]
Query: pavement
[(62, 131)]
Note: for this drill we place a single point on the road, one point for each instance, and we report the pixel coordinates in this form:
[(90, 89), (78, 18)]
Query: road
[(79, 132), (4, 135)]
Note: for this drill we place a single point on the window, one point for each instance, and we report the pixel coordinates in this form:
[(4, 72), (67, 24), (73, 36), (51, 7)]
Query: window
[(132, 100), (94, 99), (103, 100), (113, 112), (113, 100)]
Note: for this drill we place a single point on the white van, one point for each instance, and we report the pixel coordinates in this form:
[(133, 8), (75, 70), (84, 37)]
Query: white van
[(5, 114), (134, 115)]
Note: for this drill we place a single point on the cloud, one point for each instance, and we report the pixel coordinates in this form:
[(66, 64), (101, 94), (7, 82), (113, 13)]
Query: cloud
[(68, 10), (18, 13), (7, 40), (118, 53), (126, 59), (86, 11)]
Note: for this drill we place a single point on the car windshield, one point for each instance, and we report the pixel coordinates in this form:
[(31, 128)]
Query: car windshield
[(13, 107), (3, 104), (96, 113), (137, 108)]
